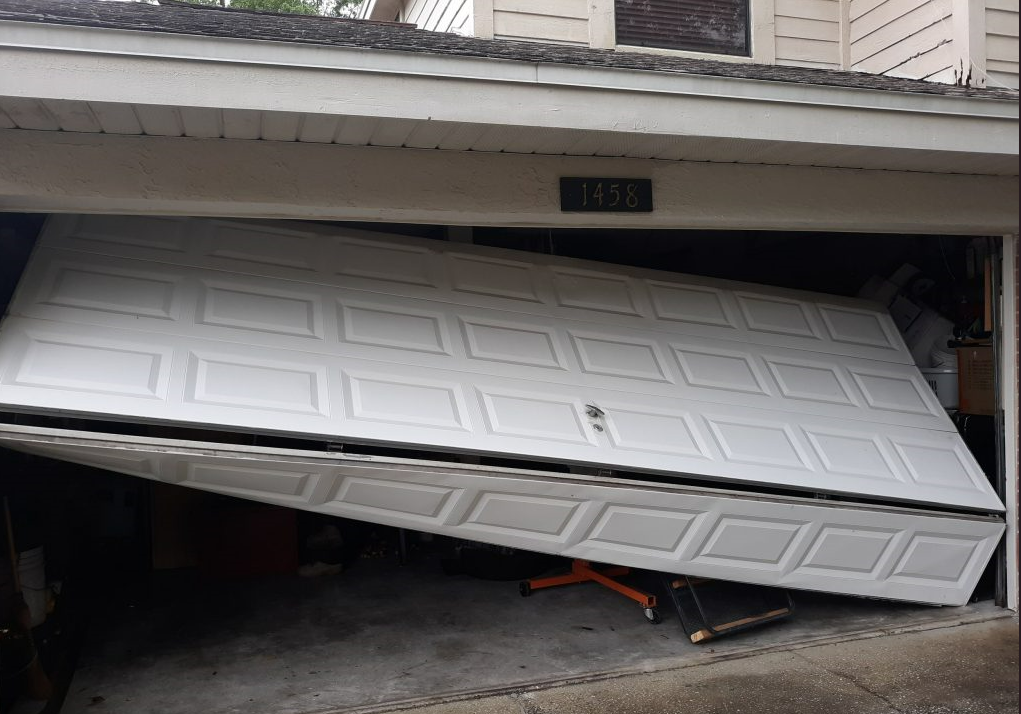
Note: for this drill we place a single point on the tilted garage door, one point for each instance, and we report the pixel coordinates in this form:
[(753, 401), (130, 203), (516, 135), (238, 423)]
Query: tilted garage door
[(361, 338)]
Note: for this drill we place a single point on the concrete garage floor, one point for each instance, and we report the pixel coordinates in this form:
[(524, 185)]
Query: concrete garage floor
[(383, 637)]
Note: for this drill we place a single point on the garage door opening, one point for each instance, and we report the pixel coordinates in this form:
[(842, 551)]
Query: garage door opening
[(282, 461)]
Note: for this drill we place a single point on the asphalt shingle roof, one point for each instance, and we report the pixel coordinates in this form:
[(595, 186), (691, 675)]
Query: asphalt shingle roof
[(213, 21)]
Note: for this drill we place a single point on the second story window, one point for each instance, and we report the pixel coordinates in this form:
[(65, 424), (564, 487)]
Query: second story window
[(714, 26)]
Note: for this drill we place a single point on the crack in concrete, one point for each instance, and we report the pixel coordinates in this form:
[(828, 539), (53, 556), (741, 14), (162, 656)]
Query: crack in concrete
[(852, 680)]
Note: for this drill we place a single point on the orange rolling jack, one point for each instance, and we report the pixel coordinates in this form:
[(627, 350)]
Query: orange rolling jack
[(583, 572)]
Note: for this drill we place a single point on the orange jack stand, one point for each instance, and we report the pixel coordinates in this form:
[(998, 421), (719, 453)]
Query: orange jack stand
[(583, 572)]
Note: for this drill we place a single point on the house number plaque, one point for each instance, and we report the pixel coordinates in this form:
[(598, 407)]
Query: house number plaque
[(608, 195)]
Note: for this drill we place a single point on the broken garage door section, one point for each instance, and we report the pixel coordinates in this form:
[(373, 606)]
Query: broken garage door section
[(359, 337), (800, 543)]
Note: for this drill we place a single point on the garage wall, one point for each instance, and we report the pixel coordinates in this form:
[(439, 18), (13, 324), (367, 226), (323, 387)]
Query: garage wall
[(1001, 24)]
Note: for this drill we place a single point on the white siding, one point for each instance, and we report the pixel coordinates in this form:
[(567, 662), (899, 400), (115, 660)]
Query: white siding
[(440, 15), (808, 33), (1001, 18), (563, 22), (903, 38)]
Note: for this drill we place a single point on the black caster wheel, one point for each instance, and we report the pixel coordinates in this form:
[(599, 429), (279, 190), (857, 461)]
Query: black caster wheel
[(652, 615), (524, 588)]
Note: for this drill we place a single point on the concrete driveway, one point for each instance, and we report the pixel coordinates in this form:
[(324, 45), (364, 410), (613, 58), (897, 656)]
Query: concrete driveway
[(966, 669)]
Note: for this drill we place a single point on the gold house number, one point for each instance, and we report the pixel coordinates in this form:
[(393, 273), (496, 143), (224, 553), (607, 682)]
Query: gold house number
[(610, 193), (605, 194)]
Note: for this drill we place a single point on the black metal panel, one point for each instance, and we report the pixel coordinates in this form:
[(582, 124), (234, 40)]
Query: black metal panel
[(717, 26)]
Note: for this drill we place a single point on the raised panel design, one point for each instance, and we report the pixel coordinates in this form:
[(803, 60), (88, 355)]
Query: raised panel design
[(750, 540), (852, 454), (153, 232), (939, 464), (700, 306), (804, 543), (232, 381), (932, 556), (383, 327), (893, 392), (251, 479), (489, 276), (599, 354), (106, 290), (533, 515), (627, 527), (384, 495), (726, 371), (781, 317), (251, 309), (98, 366), (713, 379), (644, 430), (594, 291), (380, 261), (812, 382), (757, 443), (263, 247), (848, 550), (856, 327), (511, 343), (534, 416), (399, 401)]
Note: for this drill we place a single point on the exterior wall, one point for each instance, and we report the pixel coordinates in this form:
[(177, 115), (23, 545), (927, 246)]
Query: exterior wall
[(440, 15), (808, 33), (903, 38), (1001, 35), (955, 41), (563, 22)]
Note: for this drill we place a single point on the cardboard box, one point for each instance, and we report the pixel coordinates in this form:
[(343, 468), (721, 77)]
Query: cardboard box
[(975, 380)]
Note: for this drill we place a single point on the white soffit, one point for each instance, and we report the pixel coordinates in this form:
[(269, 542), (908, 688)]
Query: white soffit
[(357, 337), (789, 542), (118, 81)]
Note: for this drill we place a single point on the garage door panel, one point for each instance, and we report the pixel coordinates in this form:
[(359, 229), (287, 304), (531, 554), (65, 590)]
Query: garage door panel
[(836, 547), (506, 280), (347, 323), (232, 385), (367, 338)]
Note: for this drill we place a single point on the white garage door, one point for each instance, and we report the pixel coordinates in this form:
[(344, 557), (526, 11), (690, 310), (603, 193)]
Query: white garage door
[(361, 338), (357, 337), (802, 543)]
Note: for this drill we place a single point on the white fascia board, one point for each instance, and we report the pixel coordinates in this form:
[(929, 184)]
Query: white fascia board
[(122, 66)]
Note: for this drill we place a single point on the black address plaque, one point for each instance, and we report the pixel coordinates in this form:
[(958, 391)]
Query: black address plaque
[(608, 195)]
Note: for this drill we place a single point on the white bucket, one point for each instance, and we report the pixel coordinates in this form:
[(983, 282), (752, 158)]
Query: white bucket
[(943, 382), (32, 572)]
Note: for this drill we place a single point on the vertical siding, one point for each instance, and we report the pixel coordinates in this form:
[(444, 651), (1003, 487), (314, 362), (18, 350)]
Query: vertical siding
[(903, 38), (440, 15), (808, 33), (1001, 18), (560, 21)]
